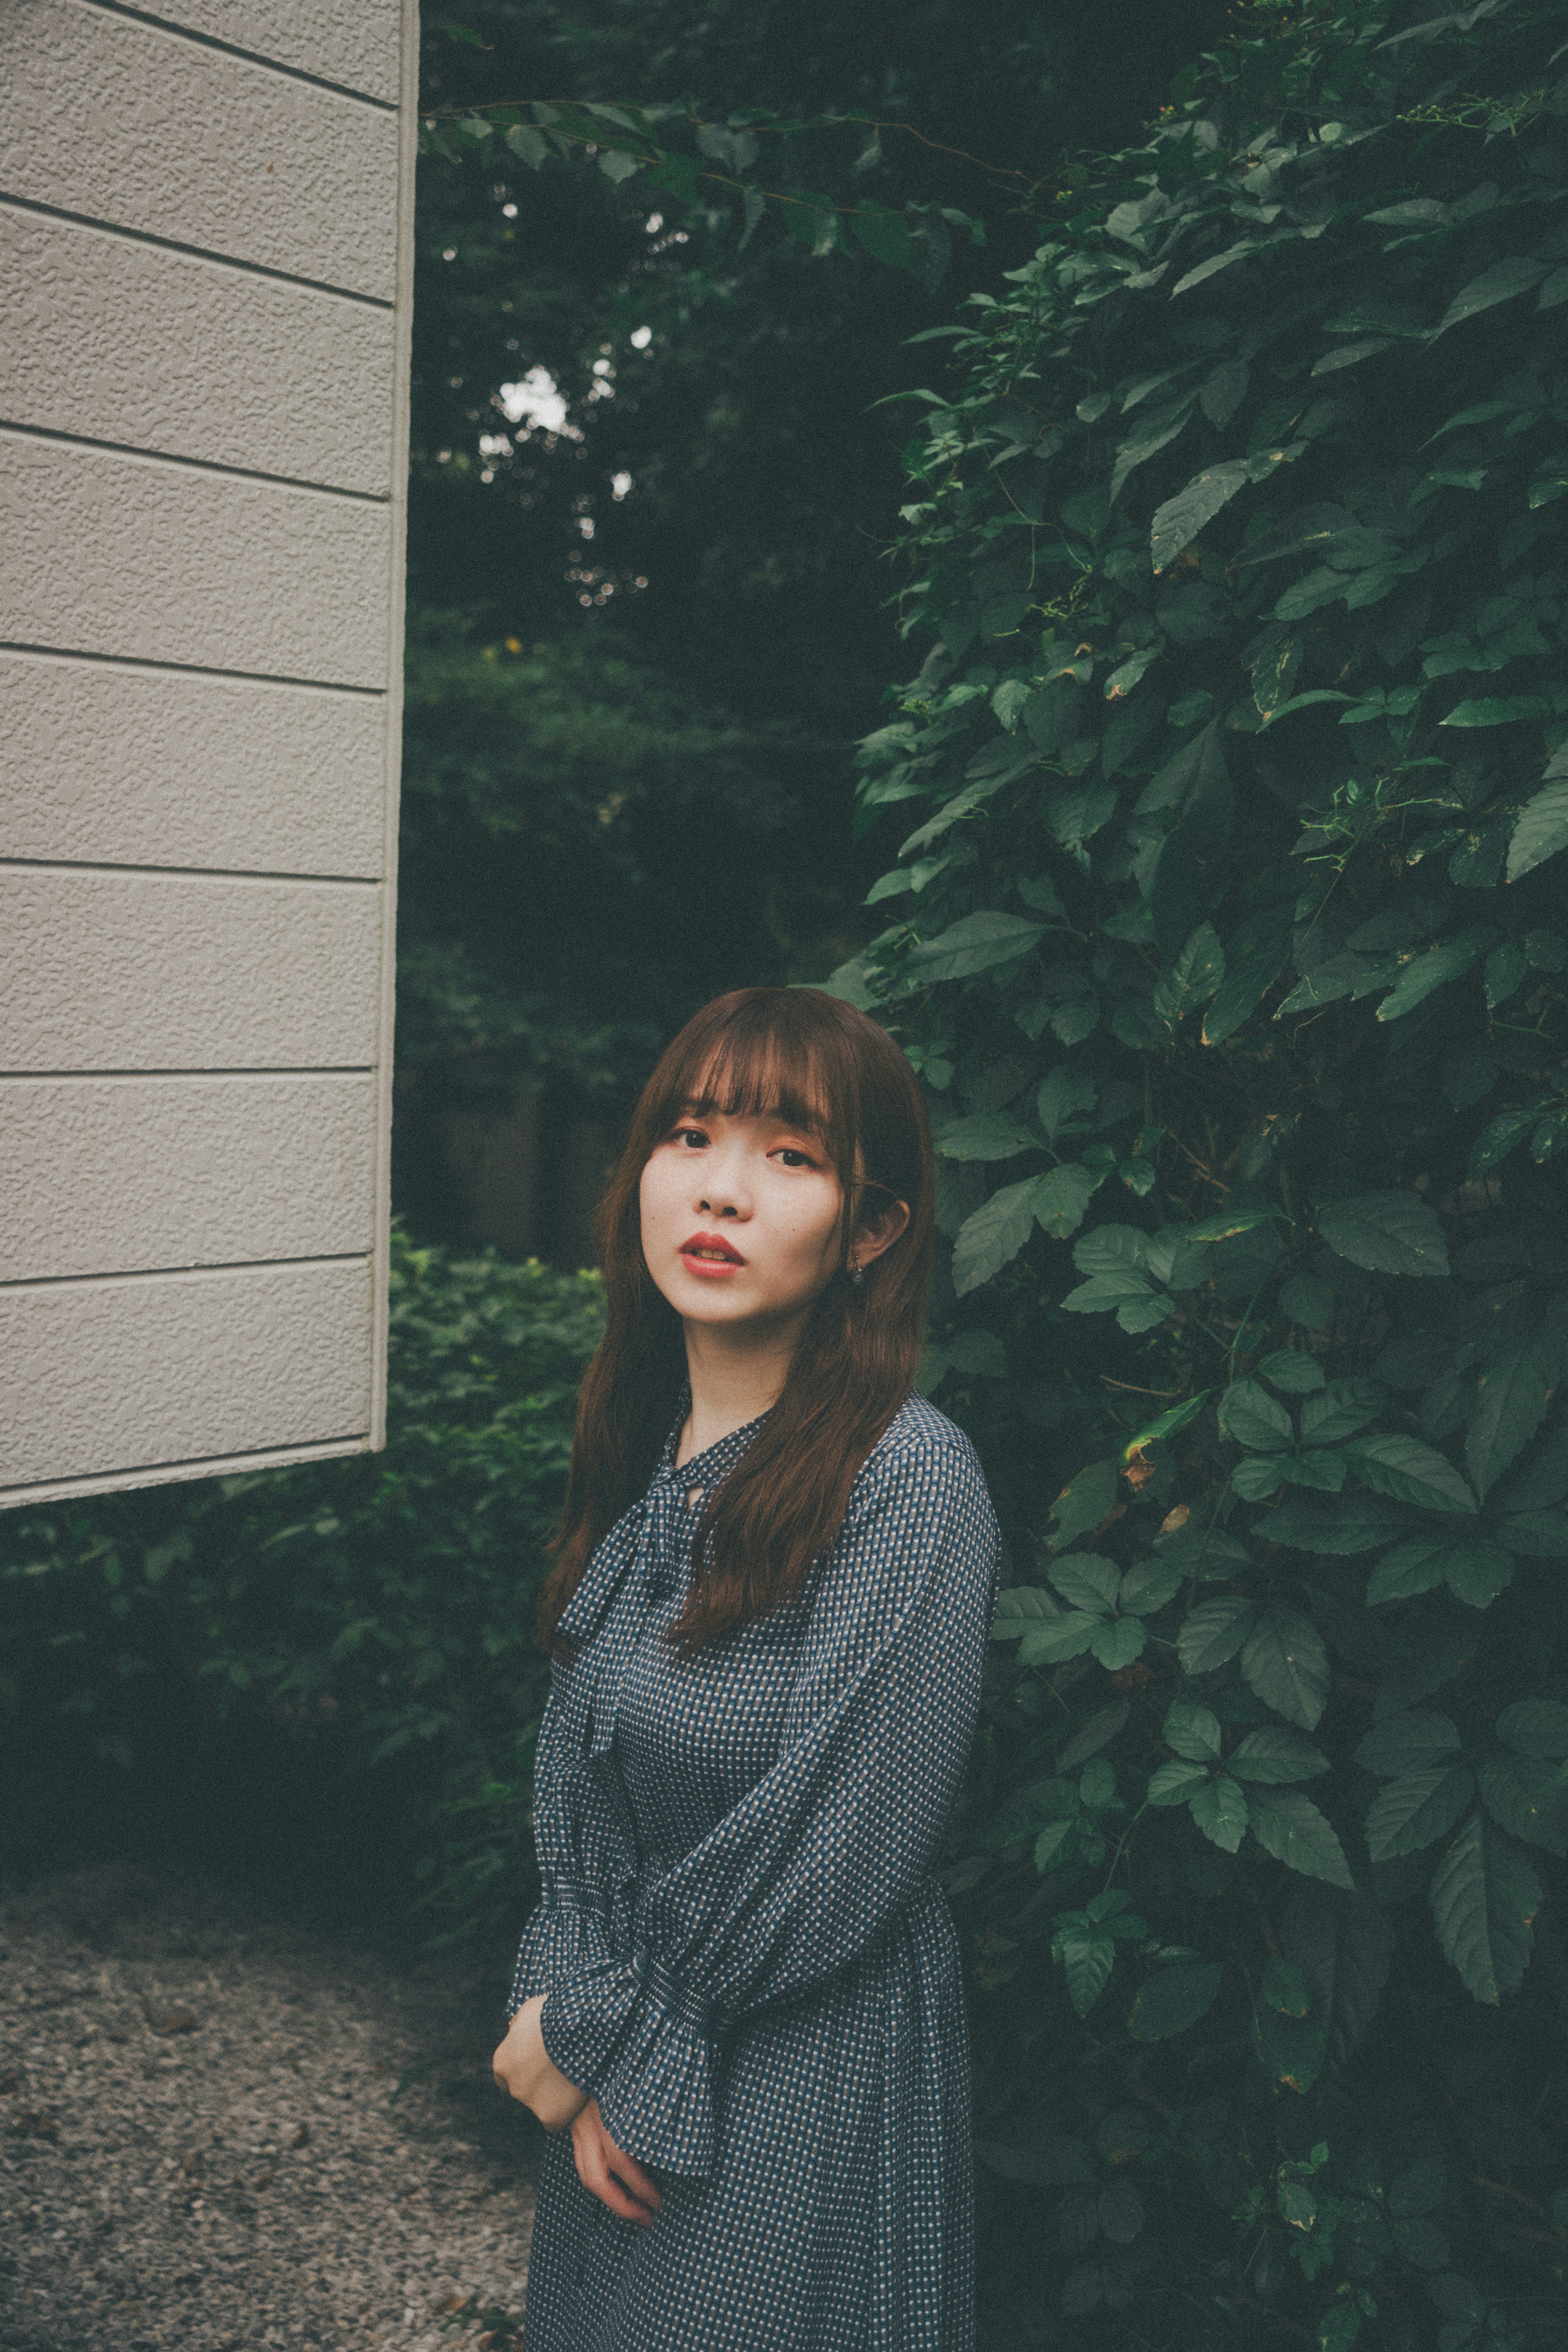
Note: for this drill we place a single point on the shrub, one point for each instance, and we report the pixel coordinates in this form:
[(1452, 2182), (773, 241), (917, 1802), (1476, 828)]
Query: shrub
[(378, 1610), (1230, 944)]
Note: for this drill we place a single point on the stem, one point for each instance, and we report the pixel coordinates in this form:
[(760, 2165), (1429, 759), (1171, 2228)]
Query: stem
[(1121, 1844)]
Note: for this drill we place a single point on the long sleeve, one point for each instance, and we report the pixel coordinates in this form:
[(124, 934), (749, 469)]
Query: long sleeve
[(823, 1853)]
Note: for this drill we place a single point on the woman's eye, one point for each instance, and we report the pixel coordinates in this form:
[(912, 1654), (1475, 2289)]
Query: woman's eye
[(691, 1137), (793, 1159)]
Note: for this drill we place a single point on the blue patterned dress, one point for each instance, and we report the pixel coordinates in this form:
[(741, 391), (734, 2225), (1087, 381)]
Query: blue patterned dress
[(749, 1960)]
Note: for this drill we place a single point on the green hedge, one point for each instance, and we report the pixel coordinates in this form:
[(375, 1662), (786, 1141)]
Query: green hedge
[(373, 1616), (1230, 940)]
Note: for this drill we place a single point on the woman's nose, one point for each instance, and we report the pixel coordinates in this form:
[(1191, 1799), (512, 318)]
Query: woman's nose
[(722, 1187)]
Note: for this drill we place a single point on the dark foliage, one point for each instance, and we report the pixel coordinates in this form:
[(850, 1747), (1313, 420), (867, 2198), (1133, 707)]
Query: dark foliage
[(347, 1643), (1230, 942), (672, 542)]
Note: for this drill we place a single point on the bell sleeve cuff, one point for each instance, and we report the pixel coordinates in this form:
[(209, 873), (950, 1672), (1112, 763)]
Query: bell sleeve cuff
[(565, 1936), (637, 2039)]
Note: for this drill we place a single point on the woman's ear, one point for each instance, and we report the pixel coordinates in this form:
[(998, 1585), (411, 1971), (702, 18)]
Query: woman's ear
[(878, 1229)]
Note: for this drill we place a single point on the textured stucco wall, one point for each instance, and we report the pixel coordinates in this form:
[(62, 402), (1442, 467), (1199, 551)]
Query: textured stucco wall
[(205, 268)]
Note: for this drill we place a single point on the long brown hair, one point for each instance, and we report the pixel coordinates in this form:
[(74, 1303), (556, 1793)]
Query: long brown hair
[(818, 1063)]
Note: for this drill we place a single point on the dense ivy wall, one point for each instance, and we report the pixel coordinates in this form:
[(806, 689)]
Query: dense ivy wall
[(1230, 940)]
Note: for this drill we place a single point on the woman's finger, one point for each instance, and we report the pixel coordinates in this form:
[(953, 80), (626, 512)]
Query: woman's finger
[(629, 2173), (600, 2182)]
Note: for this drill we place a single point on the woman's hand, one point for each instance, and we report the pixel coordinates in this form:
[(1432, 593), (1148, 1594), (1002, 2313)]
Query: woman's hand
[(522, 2066), (616, 2179)]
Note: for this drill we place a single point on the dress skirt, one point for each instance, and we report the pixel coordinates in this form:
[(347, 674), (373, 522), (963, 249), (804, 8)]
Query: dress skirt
[(747, 1958)]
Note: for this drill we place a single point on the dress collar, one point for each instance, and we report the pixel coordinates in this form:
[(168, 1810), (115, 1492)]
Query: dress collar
[(649, 1529)]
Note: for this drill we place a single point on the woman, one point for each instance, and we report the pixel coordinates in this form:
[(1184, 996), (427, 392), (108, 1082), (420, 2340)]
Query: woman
[(773, 1589)]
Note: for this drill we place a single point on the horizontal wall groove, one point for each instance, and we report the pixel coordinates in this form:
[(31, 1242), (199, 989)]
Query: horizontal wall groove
[(17, 431), (194, 252), (190, 873), (268, 1070), (12, 431), (230, 49), (180, 1273), (146, 1473), (191, 669)]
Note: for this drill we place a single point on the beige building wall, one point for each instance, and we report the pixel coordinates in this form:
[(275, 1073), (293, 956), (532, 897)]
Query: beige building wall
[(206, 258)]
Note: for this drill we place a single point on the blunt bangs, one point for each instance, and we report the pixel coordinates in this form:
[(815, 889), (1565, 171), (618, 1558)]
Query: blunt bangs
[(754, 1062)]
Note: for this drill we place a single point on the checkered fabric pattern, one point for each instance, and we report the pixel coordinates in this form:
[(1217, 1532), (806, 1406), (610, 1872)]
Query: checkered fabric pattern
[(749, 1961)]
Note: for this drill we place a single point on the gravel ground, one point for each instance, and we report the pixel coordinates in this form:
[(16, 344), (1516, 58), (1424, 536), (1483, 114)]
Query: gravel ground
[(221, 2128)]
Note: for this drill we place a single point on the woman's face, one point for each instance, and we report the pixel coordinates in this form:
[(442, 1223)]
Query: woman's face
[(741, 1219)]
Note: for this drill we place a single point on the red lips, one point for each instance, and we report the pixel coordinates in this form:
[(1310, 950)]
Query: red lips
[(711, 1249)]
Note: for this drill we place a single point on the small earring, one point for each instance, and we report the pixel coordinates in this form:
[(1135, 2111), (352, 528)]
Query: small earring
[(857, 1272)]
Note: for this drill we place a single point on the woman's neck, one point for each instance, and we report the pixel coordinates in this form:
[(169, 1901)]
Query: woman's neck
[(735, 1374)]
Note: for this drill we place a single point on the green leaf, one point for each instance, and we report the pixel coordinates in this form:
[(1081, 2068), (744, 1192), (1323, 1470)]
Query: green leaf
[(1088, 1955), (975, 944), (1253, 1417), (1539, 1535), (1484, 1898), (1255, 956), (1276, 1755), (1174, 1784), (988, 1136), (1065, 1095), (1497, 711), (1285, 1988), (1219, 1809), (1174, 1999), (1524, 1795), (1213, 1633), (1289, 1827), (1227, 1224), (1056, 1638), (1406, 1743), (1148, 1585), (1475, 1571), (1283, 1659), (1085, 1581), (1341, 1942), (1292, 1369), (1089, 1499), (1116, 1645), (1500, 1136), (1259, 1476), (1022, 1816), (993, 1236), (1133, 1297), (1411, 1812), (1112, 1249), (1390, 1233), (1290, 2049), (529, 145), (1060, 1198), (1193, 1730), (1535, 1726), (1340, 1411), (1193, 977), (1048, 1843), (1449, 960), (1355, 1523), (1542, 829), (1393, 1464), (1181, 519), (1500, 283), (1020, 1607), (1207, 1553)]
